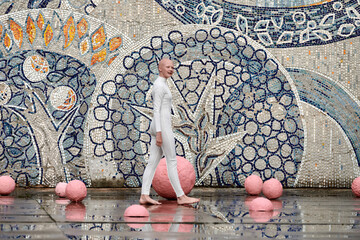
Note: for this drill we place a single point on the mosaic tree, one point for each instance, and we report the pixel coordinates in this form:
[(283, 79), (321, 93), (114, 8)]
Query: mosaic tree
[(44, 104)]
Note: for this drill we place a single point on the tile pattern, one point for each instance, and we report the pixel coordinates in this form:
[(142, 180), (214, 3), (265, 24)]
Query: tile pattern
[(75, 78)]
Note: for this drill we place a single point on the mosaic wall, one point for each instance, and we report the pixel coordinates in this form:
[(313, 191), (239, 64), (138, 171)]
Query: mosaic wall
[(260, 87)]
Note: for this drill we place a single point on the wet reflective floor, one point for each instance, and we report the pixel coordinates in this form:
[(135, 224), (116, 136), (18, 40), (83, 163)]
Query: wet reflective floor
[(223, 213)]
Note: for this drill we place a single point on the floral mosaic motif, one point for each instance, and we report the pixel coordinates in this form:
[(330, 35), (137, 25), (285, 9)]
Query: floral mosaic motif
[(50, 31), (235, 112), (44, 117), (313, 24)]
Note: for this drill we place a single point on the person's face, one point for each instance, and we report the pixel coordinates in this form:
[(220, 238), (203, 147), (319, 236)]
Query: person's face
[(166, 68)]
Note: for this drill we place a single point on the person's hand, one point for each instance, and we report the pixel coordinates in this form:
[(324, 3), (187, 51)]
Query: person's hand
[(158, 139)]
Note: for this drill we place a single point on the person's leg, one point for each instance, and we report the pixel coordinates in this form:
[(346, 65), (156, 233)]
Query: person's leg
[(168, 148), (154, 159)]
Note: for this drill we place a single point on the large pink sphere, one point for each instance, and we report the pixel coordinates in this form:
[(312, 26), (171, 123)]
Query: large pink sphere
[(161, 182), (261, 204), (355, 186), (76, 190), (7, 185), (272, 188), (253, 185), (60, 189)]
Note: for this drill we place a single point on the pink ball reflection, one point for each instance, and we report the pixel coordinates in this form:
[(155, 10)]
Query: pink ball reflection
[(75, 211)]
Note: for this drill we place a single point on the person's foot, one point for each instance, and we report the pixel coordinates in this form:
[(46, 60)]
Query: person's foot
[(146, 199), (187, 200)]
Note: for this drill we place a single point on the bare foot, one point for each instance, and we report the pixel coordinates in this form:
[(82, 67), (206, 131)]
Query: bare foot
[(187, 200), (146, 199)]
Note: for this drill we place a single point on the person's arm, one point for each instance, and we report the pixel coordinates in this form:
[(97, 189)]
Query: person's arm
[(158, 94)]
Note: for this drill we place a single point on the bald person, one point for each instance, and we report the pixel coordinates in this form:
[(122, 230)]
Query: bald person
[(162, 138)]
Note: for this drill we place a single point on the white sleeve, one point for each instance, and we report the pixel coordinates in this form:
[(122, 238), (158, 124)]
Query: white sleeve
[(158, 95)]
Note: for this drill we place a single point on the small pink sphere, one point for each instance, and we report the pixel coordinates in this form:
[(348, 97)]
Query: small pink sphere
[(60, 189), (136, 211), (7, 185), (272, 188), (136, 216), (253, 185), (161, 182), (76, 190), (261, 204), (355, 186)]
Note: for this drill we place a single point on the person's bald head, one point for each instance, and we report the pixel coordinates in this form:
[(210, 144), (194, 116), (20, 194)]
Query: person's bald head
[(166, 68)]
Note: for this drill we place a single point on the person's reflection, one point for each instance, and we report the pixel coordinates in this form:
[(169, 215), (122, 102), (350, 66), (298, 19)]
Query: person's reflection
[(75, 211)]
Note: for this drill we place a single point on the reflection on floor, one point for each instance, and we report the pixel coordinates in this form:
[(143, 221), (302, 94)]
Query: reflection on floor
[(223, 213)]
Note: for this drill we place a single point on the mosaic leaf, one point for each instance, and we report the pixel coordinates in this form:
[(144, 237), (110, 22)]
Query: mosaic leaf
[(82, 27), (40, 21), (99, 57), (69, 31), (98, 38), (114, 43), (17, 32), (30, 29), (7, 42), (48, 34)]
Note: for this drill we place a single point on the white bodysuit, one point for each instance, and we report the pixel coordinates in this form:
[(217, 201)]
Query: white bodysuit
[(161, 122)]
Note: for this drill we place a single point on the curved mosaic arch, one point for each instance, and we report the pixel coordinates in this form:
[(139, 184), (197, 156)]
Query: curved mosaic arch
[(286, 27), (228, 93), (328, 96)]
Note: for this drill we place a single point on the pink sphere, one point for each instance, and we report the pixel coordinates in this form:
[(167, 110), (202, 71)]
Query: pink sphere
[(161, 182), (136, 211), (7, 185), (76, 190), (272, 188), (261, 204), (60, 189), (253, 185), (355, 186)]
